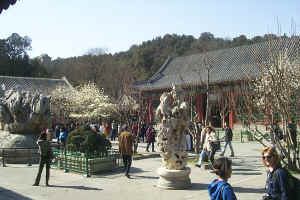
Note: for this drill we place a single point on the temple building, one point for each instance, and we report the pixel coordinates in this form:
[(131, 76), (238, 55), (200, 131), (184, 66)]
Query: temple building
[(222, 70)]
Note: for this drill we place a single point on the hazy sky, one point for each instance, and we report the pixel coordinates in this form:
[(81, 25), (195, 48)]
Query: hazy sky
[(65, 28)]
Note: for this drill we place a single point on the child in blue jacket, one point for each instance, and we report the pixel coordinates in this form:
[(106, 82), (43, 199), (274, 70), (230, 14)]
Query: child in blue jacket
[(220, 188)]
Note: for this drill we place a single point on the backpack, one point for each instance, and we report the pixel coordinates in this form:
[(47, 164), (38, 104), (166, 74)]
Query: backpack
[(293, 186)]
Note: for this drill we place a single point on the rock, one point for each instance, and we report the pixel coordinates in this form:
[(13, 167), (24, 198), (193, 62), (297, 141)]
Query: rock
[(8, 140), (24, 112)]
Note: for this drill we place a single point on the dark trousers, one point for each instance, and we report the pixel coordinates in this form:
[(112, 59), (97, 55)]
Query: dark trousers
[(113, 134), (148, 144), (127, 159), (212, 155), (43, 161)]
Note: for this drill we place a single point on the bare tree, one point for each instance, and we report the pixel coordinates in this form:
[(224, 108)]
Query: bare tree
[(275, 91)]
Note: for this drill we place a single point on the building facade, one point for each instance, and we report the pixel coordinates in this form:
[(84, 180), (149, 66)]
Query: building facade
[(222, 71)]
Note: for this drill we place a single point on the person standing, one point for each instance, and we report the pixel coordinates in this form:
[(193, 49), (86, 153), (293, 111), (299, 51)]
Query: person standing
[(125, 149), (49, 134), (220, 189), (57, 132), (228, 139), (114, 132), (277, 178), (150, 137), (188, 139), (63, 137), (102, 128), (142, 131), (45, 158)]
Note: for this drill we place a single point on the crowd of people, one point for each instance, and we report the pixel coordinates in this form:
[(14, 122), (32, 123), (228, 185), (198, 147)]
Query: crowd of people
[(277, 183)]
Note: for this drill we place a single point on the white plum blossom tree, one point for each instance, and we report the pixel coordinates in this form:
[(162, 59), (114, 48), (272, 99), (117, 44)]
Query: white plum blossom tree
[(276, 92), (85, 102)]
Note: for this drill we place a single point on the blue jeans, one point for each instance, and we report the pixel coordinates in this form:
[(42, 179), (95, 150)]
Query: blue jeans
[(201, 156), (230, 146)]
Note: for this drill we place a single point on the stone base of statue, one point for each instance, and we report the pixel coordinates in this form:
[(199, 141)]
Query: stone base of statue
[(174, 179)]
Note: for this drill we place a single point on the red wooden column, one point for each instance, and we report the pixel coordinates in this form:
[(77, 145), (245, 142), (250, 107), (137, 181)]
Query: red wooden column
[(199, 107), (231, 112)]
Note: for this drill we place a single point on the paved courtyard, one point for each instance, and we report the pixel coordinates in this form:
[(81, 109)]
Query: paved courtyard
[(248, 180)]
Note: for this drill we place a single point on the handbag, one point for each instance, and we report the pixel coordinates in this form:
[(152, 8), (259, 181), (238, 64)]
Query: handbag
[(216, 145)]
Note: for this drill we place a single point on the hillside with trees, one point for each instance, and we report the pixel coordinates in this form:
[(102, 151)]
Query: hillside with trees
[(111, 71)]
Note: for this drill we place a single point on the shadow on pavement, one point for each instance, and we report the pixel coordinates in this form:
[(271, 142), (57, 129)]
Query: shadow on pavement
[(144, 177), (245, 169), (248, 190), (198, 186), (11, 195), (247, 173), (76, 187), (133, 170)]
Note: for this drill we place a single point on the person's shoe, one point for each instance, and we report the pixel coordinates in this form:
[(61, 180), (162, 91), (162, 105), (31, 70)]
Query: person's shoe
[(232, 155), (198, 165), (221, 154), (127, 175), (35, 184), (147, 150), (153, 151)]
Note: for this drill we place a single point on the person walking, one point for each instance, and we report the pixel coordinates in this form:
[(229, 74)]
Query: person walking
[(125, 149), (277, 178), (150, 137), (208, 136), (46, 155), (228, 139), (220, 189)]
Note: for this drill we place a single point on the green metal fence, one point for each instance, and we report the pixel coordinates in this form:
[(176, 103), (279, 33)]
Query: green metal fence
[(86, 163)]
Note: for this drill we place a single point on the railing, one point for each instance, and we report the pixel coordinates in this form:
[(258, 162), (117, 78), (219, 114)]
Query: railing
[(242, 135), (86, 163), (246, 136), (18, 156)]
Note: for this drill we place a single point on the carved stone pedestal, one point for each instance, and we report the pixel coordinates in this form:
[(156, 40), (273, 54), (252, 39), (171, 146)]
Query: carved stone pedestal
[(174, 179)]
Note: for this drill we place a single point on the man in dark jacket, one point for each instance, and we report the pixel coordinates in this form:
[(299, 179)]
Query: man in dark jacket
[(45, 158), (125, 149), (228, 139)]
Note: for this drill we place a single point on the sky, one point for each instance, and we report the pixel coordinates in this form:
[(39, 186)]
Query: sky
[(68, 28)]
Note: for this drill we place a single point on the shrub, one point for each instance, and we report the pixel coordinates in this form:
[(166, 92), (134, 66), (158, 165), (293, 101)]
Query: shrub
[(84, 140)]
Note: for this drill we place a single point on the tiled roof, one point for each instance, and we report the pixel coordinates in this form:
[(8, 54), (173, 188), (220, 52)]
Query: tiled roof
[(41, 85), (225, 65)]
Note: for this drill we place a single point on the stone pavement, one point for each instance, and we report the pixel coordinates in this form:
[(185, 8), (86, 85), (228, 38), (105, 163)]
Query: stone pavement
[(248, 180)]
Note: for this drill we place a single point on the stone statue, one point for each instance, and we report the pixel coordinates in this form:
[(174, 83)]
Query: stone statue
[(173, 113), (163, 111), (22, 113)]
